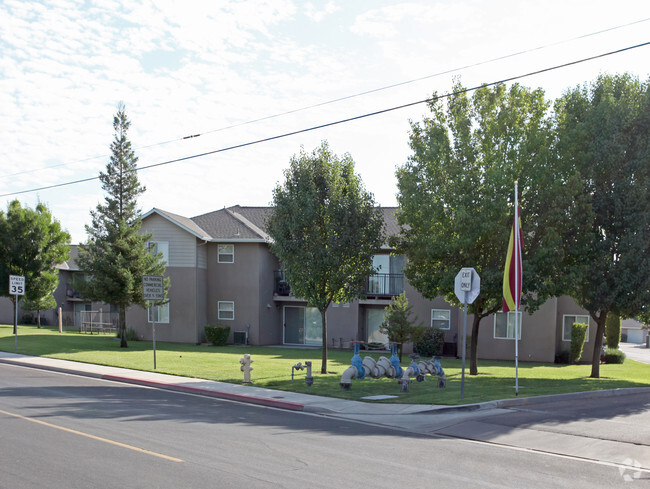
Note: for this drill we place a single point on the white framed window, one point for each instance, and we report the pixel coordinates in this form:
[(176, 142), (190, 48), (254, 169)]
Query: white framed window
[(504, 325), (159, 314), (225, 310), (441, 318), (155, 247), (567, 324), (226, 253)]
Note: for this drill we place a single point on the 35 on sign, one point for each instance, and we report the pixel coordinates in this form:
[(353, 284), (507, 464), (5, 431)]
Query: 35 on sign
[(16, 285)]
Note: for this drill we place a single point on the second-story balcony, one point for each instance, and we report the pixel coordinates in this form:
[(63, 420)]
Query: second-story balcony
[(281, 284), (378, 285), (385, 285)]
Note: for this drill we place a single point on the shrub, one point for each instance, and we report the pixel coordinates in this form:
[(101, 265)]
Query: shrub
[(562, 357), (578, 336), (131, 335), (217, 334), (613, 355), (398, 325), (613, 330), (430, 343)]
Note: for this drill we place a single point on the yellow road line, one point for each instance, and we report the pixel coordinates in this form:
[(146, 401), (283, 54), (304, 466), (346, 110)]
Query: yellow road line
[(93, 437)]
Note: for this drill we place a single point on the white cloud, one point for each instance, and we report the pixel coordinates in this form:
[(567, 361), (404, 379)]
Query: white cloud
[(191, 70)]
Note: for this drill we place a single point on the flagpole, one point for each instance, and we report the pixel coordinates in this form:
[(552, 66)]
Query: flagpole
[(517, 251)]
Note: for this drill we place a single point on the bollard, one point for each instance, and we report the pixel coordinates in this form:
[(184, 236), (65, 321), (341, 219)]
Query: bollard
[(246, 367), (309, 380)]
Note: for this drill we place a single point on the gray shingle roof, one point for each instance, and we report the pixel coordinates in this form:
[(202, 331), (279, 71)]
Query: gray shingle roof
[(71, 263), (182, 221), (239, 223), (235, 223)]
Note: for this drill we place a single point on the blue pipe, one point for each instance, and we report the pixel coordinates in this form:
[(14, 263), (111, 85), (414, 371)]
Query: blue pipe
[(358, 363)]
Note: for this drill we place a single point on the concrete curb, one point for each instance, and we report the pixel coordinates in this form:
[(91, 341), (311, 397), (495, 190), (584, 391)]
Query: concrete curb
[(316, 409), (292, 406), (51, 368), (262, 401), (522, 401)]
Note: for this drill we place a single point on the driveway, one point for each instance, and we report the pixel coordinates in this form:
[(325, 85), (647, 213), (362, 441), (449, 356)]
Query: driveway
[(635, 351)]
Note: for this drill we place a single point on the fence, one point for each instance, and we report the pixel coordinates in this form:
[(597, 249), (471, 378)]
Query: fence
[(96, 321)]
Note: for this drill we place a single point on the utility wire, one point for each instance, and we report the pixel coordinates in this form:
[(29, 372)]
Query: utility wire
[(349, 119), (348, 97)]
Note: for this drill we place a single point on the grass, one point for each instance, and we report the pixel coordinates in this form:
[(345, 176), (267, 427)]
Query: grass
[(272, 368)]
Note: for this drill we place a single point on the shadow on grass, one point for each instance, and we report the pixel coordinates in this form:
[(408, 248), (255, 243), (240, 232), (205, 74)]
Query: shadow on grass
[(272, 369)]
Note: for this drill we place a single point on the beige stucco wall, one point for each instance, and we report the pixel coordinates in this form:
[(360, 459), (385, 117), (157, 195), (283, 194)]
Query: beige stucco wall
[(566, 305), (537, 342), (182, 327), (248, 282)]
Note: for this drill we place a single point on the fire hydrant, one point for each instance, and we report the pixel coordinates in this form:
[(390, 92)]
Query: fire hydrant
[(246, 367)]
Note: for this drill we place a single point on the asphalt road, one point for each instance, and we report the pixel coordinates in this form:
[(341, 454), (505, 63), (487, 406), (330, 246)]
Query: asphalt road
[(66, 431)]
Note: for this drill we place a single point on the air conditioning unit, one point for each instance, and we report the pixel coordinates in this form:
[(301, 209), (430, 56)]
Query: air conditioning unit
[(240, 337)]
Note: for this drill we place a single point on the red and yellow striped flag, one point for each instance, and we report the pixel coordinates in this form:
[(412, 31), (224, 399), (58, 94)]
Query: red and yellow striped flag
[(512, 274)]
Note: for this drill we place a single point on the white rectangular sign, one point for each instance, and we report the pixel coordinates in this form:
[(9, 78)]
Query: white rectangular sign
[(466, 279), (153, 288), (16, 285)]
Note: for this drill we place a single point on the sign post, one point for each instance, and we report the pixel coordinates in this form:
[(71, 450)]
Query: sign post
[(16, 288), (467, 286), (153, 290)]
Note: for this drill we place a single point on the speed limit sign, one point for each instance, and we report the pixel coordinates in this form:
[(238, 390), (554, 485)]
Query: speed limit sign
[(16, 285)]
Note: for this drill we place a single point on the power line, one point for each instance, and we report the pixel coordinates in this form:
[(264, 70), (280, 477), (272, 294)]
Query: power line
[(349, 119), (348, 97)]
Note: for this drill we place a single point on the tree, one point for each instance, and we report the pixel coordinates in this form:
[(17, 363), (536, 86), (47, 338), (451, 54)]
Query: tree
[(116, 255), (604, 138), (40, 296), (613, 330), (32, 243), (455, 196), (325, 229), (398, 324)]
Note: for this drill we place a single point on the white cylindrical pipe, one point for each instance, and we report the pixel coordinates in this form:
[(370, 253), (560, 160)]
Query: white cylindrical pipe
[(371, 367), (349, 374)]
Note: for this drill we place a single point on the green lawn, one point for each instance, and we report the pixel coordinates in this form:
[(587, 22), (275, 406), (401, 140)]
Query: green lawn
[(272, 368)]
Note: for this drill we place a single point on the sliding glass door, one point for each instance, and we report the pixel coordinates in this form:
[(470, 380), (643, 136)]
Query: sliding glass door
[(302, 326)]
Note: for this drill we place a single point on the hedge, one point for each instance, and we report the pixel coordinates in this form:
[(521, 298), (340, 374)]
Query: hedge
[(217, 334)]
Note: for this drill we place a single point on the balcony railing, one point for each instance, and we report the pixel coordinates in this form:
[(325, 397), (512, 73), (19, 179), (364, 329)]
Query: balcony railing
[(385, 284), (378, 285), (281, 284)]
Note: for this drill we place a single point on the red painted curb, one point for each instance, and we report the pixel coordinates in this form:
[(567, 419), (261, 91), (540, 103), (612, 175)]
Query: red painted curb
[(292, 406)]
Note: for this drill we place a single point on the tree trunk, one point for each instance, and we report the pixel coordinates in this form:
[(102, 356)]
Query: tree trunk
[(473, 364), (323, 315), (123, 343), (598, 344), (38, 319)]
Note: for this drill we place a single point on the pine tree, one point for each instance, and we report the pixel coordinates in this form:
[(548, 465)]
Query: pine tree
[(32, 243), (116, 255)]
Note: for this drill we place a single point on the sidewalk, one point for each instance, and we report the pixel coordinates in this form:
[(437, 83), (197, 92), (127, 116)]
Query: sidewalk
[(222, 390), (282, 399), (489, 422)]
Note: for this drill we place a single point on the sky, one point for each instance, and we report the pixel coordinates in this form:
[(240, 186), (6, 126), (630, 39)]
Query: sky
[(235, 72)]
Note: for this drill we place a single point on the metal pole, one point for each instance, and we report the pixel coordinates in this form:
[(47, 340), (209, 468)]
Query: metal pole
[(154, 336), (462, 378), (16, 324), (517, 252)]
